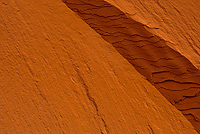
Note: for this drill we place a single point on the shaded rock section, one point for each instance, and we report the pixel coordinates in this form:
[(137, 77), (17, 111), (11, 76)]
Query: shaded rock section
[(170, 72), (59, 76)]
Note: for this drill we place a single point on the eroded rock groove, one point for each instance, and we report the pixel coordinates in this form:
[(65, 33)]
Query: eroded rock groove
[(170, 72)]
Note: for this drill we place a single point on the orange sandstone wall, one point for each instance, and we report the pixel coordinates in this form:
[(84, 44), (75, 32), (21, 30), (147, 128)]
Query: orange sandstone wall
[(57, 75), (169, 71), (175, 21)]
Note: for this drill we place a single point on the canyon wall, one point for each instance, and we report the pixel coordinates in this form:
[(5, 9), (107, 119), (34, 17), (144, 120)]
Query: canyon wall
[(58, 75)]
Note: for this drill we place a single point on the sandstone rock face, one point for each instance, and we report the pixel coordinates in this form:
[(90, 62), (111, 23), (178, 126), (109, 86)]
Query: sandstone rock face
[(58, 74), (177, 22), (171, 73)]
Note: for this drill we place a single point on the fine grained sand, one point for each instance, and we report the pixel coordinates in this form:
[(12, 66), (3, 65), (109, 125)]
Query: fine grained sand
[(57, 75)]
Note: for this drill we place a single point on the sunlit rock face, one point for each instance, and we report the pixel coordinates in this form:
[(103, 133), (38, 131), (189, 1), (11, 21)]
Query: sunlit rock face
[(169, 71), (90, 67)]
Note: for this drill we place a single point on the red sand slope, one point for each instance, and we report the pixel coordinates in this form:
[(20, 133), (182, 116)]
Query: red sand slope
[(57, 75), (171, 73)]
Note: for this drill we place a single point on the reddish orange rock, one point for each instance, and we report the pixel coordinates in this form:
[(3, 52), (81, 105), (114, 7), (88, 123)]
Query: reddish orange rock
[(169, 71), (57, 75)]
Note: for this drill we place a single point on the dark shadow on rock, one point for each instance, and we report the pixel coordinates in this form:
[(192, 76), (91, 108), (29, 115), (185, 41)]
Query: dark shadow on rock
[(170, 72)]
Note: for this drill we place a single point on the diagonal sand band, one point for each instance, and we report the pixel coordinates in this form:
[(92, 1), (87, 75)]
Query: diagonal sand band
[(170, 72), (50, 59)]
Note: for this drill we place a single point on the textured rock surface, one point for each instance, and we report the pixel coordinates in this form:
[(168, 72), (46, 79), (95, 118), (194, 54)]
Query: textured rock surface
[(177, 22), (171, 73), (57, 75)]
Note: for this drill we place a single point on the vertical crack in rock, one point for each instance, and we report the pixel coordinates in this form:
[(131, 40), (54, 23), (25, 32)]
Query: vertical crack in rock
[(87, 90), (170, 72), (92, 100), (89, 96)]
